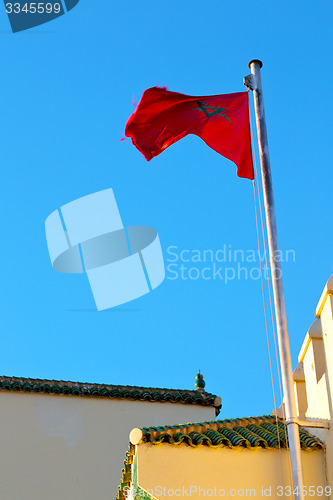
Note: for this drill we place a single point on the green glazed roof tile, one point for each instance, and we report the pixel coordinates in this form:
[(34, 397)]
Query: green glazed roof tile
[(134, 393), (270, 439), (264, 431), (216, 438), (234, 437), (250, 436)]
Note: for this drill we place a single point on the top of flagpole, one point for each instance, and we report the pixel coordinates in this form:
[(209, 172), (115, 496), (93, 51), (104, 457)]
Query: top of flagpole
[(257, 61)]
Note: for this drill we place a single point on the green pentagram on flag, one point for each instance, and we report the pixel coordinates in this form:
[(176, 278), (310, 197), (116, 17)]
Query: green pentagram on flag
[(211, 110)]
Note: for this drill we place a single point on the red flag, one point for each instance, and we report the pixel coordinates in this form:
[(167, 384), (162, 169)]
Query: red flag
[(222, 121)]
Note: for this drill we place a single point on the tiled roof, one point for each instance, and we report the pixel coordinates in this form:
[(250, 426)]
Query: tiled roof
[(127, 475), (109, 391), (249, 432)]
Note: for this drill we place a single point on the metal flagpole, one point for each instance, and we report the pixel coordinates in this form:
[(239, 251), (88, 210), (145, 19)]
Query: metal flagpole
[(253, 82)]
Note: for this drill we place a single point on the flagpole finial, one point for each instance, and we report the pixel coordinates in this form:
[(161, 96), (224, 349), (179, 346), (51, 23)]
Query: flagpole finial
[(257, 61)]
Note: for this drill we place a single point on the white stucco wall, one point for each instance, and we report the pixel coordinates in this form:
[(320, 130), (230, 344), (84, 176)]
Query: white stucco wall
[(56, 447)]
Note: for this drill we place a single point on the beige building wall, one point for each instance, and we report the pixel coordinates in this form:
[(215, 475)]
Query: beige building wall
[(58, 447), (238, 472), (300, 392), (324, 311), (313, 377), (312, 357)]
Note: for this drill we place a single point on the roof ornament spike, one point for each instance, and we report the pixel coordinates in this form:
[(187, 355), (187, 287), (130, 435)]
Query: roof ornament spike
[(199, 382)]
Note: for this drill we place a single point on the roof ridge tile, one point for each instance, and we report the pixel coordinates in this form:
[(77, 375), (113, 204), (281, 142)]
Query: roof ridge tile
[(153, 394)]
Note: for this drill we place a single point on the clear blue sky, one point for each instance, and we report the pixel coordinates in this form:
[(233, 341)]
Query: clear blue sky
[(67, 90)]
